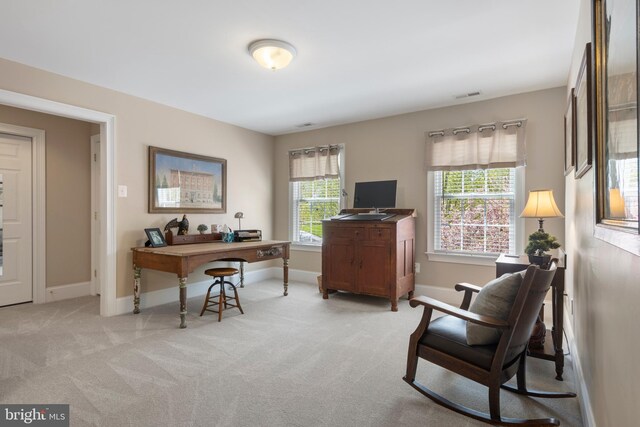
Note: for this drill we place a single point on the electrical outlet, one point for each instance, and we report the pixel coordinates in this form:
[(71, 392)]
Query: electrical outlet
[(417, 268)]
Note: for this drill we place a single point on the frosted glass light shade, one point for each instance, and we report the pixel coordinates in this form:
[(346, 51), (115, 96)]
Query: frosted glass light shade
[(272, 54), (541, 204)]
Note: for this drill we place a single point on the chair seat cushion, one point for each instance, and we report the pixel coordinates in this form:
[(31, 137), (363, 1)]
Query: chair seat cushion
[(495, 299), (448, 334)]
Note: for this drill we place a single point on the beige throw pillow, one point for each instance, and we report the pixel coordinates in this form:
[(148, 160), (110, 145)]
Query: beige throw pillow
[(495, 299)]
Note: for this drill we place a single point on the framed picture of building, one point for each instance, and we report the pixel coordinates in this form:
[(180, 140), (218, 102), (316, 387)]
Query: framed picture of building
[(183, 183)]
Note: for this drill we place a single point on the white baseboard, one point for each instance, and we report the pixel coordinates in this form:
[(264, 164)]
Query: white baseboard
[(73, 290), (300, 276), (448, 295), (586, 410), (169, 295)]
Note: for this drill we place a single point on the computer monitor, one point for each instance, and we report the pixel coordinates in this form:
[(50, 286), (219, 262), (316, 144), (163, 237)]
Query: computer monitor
[(375, 194)]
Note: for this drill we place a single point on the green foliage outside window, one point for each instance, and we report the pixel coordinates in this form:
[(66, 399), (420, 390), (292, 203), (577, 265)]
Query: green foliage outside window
[(314, 201), (475, 210)]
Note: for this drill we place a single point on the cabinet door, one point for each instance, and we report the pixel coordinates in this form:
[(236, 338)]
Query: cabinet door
[(374, 269), (340, 264)]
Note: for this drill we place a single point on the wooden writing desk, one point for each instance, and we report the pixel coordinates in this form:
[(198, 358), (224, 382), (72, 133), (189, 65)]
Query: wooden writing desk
[(184, 259)]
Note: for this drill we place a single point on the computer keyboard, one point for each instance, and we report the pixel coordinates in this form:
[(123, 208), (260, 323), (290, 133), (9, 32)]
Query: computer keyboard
[(367, 217)]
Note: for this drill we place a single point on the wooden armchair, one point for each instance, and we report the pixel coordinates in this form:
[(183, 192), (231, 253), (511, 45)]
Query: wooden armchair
[(443, 342)]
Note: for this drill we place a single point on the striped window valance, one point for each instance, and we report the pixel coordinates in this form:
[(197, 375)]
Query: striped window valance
[(492, 145), (313, 163)]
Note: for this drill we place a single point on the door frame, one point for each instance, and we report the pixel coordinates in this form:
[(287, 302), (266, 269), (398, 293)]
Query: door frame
[(107, 255), (38, 206), (95, 213)]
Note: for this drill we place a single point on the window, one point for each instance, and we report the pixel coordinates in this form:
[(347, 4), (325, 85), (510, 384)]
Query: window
[(313, 201), (315, 187), (474, 211)]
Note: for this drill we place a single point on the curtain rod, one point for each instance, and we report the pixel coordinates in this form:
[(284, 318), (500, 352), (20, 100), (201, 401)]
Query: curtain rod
[(313, 149), (455, 131)]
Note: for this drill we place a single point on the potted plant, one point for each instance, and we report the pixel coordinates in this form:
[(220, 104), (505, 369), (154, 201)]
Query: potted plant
[(202, 228), (539, 243)]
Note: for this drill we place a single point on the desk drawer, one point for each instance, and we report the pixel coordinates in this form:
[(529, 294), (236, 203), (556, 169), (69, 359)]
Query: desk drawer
[(346, 232), (379, 234)]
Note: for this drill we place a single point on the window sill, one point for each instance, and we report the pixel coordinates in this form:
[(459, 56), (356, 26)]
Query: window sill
[(484, 260), (306, 248)]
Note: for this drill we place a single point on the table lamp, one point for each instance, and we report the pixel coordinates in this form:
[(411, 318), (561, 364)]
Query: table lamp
[(541, 204)]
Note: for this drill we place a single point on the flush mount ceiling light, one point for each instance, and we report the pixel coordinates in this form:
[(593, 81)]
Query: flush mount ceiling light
[(272, 54)]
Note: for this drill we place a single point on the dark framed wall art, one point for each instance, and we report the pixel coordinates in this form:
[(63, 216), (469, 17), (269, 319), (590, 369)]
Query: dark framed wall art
[(569, 134), (584, 114), (186, 183)]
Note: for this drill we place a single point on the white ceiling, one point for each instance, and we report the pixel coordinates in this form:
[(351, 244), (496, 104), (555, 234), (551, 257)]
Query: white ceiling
[(357, 59)]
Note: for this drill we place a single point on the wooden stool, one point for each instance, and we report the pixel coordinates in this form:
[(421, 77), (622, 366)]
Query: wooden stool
[(223, 301)]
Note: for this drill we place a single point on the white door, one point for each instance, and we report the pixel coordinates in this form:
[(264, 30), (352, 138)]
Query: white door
[(15, 170)]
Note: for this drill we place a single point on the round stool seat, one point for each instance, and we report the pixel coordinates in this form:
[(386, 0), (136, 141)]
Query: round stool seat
[(221, 272)]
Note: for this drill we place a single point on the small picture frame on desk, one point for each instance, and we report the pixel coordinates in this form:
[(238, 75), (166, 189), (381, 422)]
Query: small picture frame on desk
[(156, 239)]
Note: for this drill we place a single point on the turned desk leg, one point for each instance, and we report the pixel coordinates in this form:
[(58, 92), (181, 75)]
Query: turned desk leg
[(183, 301), (241, 274), (394, 304), (285, 272), (136, 289)]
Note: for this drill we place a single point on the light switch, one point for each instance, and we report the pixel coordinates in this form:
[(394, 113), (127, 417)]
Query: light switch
[(122, 191)]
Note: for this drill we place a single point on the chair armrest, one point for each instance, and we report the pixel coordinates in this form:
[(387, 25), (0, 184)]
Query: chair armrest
[(467, 287), (443, 307)]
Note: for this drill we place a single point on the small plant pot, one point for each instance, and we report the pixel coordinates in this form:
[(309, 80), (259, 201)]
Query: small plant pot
[(539, 260)]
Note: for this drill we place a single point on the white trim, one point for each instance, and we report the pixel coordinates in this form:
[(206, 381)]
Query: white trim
[(95, 213), (73, 290), (462, 259), (306, 248), (586, 410), (302, 276), (448, 294), (38, 206), (195, 289), (107, 267)]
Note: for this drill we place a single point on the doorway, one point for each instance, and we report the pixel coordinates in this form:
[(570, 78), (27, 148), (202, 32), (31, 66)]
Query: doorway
[(107, 250)]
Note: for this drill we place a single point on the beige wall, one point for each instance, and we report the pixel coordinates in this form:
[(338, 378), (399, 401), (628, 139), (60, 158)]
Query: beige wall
[(603, 281), (140, 123), (68, 180), (394, 147)]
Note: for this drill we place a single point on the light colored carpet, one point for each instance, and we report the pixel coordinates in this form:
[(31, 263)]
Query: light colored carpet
[(288, 361)]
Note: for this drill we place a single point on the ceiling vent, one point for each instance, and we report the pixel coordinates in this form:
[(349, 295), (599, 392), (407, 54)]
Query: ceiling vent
[(305, 125), (467, 95)]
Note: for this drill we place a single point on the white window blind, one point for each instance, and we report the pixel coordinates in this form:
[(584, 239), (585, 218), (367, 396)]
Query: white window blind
[(474, 211), (493, 145)]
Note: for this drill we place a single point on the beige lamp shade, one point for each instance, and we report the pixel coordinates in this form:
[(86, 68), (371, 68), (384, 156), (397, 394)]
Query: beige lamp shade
[(616, 204), (272, 54), (541, 204)]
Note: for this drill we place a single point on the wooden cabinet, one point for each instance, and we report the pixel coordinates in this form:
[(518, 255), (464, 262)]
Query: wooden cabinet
[(370, 257)]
